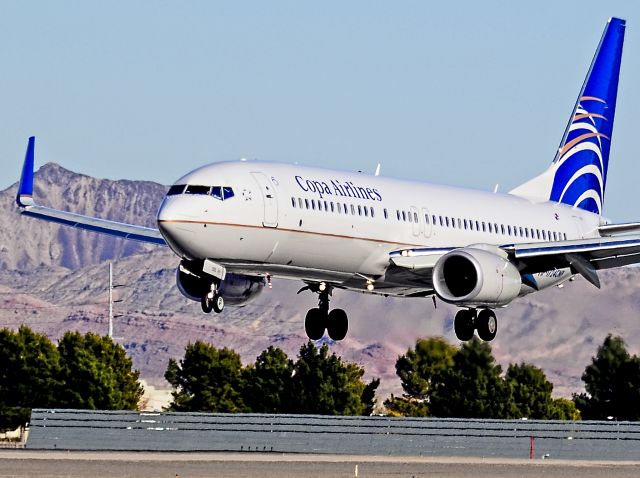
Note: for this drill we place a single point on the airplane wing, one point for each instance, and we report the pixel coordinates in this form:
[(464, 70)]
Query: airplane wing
[(28, 207), (585, 256), (615, 248)]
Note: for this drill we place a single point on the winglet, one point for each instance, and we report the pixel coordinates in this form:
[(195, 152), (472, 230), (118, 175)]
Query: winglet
[(24, 197)]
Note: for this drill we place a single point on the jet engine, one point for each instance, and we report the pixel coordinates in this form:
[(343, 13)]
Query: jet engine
[(236, 289), (476, 277)]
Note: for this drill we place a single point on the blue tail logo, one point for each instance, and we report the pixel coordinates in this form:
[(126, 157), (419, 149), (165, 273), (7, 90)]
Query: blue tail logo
[(583, 156)]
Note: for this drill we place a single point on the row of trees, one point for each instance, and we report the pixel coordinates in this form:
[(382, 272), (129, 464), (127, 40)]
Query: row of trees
[(83, 371), (214, 380), (445, 381), (438, 379)]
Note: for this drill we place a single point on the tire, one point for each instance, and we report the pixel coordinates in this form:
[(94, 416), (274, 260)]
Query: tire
[(218, 304), (314, 324), (337, 324), (206, 303), (487, 325), (463, 325)]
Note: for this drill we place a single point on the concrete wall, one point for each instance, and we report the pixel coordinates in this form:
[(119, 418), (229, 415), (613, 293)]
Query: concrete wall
[(148, 431)]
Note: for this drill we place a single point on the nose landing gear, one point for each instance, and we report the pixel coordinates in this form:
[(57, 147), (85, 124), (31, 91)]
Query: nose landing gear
[(468, 320), (212, 300)]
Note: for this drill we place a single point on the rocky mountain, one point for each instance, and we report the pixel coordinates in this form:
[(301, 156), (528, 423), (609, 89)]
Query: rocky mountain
[(27, 242), (55, 279)]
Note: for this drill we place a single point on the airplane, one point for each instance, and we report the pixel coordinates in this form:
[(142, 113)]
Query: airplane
[(235, 225)]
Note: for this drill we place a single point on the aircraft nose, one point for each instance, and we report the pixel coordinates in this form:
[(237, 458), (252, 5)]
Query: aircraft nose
[(175, 226)]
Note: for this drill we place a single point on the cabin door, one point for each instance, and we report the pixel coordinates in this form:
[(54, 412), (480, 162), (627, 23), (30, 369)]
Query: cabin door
[(270, 199)]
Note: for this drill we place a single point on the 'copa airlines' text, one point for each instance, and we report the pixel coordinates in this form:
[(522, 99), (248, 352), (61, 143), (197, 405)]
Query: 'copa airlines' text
[(336, 188)]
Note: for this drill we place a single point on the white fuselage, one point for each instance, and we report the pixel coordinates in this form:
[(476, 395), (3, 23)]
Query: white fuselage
[(311, 223)]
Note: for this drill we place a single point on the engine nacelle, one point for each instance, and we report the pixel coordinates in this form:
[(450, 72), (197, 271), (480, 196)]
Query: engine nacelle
[(476, 277), (237, 289)]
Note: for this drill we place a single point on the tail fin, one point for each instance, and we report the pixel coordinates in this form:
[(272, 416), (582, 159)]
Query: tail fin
[(578, 174)]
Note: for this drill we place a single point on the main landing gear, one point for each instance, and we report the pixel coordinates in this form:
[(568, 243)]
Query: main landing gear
[(319, 319), (212, 300), (468, 320)]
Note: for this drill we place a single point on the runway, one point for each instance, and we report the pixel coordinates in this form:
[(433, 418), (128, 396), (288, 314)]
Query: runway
[(50, 464)]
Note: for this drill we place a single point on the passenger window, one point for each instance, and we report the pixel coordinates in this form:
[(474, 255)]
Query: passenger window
[(346, 209), (426, 219), (332, 209), (293, 202), (372, 212), (300, 203), (433, 218), (544, 235), (353, 210), (326, 206), (386, 213), (313, 204), (484, 227), (227, 193), (306, 202), (176, 189), (415, 217), (404, 216), (477, 225), (366, 211), (490, 227), (446, 220), (359, 211), (441, 221), (502, 228)]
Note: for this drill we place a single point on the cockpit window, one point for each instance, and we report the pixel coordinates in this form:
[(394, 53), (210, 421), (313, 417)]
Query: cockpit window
[(176, 189), (216, 192), (193, 189)]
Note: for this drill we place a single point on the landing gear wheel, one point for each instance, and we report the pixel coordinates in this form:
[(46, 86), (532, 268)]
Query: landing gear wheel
[(487, 325), (315, 324), (337, 324), (207, 304), (463, 325), (218, 303)]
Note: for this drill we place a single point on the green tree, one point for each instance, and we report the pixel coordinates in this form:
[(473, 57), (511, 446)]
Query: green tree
[(612, 382), (29, 375), (97, 374), (207, 379), (406, 407), (418, 366), (268, 383), (531, 391), (563, 409), (324, 384), (473, 387)]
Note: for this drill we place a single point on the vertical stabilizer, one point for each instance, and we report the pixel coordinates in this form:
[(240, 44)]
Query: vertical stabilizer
[(578, 174)]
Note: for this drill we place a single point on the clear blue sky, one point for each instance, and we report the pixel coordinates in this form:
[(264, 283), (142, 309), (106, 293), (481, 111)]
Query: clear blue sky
[(468, 93)]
